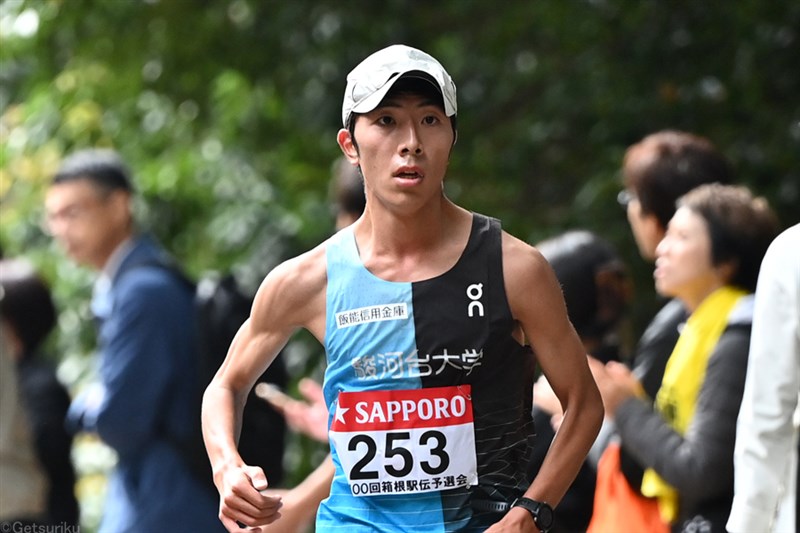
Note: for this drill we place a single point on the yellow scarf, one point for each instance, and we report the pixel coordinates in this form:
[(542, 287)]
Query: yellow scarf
[(683, 377)]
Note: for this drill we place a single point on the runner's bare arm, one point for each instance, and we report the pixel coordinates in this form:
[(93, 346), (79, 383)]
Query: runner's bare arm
[(292, 296), (537, 303)]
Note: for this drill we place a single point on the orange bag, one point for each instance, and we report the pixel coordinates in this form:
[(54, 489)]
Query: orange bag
[(617, 507)]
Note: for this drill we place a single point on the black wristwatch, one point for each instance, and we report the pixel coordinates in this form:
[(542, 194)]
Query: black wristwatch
[(541, 512)]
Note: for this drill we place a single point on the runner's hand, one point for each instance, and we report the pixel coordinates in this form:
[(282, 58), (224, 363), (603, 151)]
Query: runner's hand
[(244, 502)]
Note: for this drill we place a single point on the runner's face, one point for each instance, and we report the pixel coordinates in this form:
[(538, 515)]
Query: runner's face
[(404, 149)]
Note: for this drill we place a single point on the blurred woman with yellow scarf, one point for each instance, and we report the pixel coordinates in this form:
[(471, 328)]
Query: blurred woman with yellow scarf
[(709, 259)]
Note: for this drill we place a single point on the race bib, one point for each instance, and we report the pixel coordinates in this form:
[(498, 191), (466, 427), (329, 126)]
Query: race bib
[(406, 441)]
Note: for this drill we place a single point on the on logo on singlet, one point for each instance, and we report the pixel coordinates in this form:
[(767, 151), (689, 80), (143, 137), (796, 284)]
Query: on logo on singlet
[(475, 293)]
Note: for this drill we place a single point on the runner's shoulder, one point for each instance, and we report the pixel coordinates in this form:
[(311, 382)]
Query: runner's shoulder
[(521, 260), (300, 280), (305, 269)]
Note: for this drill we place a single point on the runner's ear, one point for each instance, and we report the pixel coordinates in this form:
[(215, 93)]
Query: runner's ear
[(348, 146)]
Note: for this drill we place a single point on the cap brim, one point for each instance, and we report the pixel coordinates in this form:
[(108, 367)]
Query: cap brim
[(372, 101)]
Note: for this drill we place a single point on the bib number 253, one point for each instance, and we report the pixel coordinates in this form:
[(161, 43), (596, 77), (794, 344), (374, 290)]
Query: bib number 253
[(399, 460)]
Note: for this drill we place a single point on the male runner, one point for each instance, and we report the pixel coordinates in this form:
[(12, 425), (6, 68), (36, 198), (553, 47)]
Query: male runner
[(430, 316)]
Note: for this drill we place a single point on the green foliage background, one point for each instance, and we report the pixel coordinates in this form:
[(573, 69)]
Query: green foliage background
[(227, 111)]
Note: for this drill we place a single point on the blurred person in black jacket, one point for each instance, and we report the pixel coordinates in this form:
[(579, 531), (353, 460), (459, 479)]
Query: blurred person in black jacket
[(29, 315)]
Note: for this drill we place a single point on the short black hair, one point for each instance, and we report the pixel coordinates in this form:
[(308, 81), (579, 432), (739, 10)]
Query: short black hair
[(103, 167), (577, 256), (26, 303)]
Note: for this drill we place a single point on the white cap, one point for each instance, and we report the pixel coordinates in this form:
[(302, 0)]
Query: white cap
[(368, 83)]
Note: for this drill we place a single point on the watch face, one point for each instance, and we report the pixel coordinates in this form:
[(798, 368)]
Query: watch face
[(541, 512), (544, 516)]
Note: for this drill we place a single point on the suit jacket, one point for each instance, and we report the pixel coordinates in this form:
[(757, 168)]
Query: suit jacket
[(147, 372)]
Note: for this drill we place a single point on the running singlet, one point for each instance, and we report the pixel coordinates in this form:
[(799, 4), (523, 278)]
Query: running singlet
[(429, 394)]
